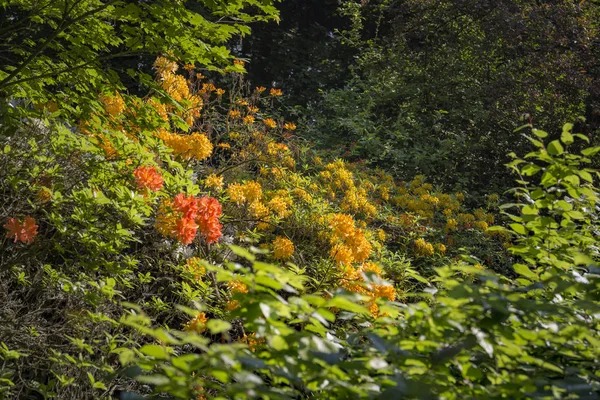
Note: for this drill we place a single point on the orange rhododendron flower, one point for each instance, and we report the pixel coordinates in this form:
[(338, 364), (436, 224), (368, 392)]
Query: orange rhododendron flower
[(23, 232), (209, 211), (185, 230), (148, 178), (188, 206)]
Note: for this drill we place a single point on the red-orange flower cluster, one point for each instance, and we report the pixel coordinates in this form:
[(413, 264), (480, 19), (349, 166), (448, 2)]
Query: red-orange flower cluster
[(186, 227), (181, 218), (148, 178), (208, 218), (23, 232)]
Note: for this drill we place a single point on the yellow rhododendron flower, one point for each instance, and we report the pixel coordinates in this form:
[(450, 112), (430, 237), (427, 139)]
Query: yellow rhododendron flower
[(283, 248), (342, 254), (236, 286), (194, 267), (280, 206), (197, 324), (423, 248), (451, 224), (235, 192), (258, 210), (214, 182), (270, 123)]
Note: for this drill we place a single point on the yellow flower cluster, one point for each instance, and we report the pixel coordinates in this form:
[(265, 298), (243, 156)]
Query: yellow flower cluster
[(253, 342), (258, 210), (349, 242), (196, 145), (195, 268), (356, 201), (214, 182), (178, 88), (196, 324), (114, 105), (353, 280), (337, 174), (283, 248), (423, 248), (480, 225), (237, 287), (466, 220), (440, 248), (274, 148), (302, 195), (451, 224), (166, 220), (270, 123), (247, 192), (280, 206)]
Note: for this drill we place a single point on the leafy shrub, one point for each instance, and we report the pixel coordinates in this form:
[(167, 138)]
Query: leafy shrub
[(534, 336)]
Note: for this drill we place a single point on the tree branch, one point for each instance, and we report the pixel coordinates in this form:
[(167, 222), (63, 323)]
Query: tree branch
[(73, 68)]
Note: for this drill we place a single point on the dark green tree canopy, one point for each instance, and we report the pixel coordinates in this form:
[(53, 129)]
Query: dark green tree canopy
[(79, 45)]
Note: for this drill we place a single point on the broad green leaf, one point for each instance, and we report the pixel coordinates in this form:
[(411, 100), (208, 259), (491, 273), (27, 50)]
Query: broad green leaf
[(218, 326), (566, 136), (590, 151), (156, 380), (529, 210), (345, 304), (278, 343), (155, 350), (539, 133), (524, 270), (241, 252), (555, 148), (520, 229)]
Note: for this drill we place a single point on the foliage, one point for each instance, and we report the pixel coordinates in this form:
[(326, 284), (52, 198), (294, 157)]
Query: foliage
[(178, 235), (439, 87), (535, 336), (61, 51), (128, 200)]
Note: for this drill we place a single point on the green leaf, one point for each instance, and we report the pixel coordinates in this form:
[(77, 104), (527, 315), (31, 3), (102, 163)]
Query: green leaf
[(218, 326), (555, 148), (156, 380), (241, 252), (278, 343), (567, 137), (126, 356), (539, 133), (524, 270), (345, 304), (530, 210), (155, 350), (586, 176), (520, 229), (590, 151)]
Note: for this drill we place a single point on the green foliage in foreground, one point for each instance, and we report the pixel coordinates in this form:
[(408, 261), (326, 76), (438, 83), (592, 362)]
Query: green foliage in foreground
[(476, 335), (532, 337)]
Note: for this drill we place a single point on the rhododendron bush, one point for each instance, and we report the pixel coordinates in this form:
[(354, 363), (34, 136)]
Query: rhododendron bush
[(189, 242)]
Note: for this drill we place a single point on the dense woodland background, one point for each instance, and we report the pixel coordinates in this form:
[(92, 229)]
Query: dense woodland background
[(299, 199)]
